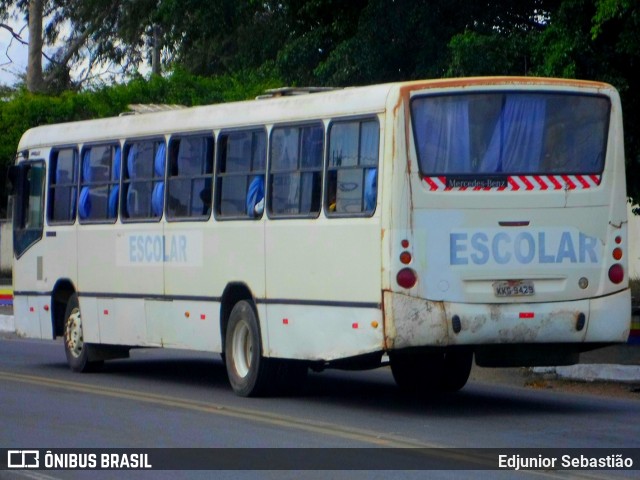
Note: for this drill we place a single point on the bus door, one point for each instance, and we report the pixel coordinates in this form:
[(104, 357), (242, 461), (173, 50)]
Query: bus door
[(27, 181)]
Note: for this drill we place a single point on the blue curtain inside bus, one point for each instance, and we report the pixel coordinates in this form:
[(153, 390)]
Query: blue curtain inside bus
[(513, 133), (115, 190), (84, 206), (516, 143), (157, 199)]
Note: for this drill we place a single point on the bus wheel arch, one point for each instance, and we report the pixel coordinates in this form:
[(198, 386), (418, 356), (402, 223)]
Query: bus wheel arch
[(233, 293), (60, 295)]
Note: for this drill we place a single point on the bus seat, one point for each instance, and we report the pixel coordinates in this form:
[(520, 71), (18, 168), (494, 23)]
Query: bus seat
[(255, 194), (117, 160), (112, 206), (157, 196), (112, 211), (158, 164), (157, 199), (84, 206)]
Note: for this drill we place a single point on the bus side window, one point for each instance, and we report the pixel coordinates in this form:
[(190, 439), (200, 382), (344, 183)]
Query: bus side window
[(189, 180), (63, 186), (99, 178), (143, 180), (352, 168), (240, 175), (295, 171)]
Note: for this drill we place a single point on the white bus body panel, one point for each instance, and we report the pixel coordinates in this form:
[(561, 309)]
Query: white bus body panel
[(325, 288), (550, 237)]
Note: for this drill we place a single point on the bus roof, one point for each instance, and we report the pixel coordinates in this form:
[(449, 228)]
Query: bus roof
[(282, 109), (279, 109)]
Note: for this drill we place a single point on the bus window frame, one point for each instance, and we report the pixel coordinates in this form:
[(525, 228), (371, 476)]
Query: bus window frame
[(110, 184), (125, 154), (325, 203), (209, 136), (50, 187), (505, 175), (218, 177), (269, 177)]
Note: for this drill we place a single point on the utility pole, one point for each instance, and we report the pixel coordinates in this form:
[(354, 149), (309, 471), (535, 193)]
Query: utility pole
[(35, 78), (156, 68)]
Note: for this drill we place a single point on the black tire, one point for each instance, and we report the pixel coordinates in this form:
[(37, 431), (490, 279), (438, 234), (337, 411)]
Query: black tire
[(419, 373), (429, 373), (77, 352), (456, 370), (250, 373), (291, 376)]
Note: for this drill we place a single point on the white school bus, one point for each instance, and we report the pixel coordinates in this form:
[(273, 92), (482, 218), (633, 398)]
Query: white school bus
[(428, 223)]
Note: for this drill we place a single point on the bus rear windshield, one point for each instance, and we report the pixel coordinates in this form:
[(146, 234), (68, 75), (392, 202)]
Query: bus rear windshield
[(510, 134)]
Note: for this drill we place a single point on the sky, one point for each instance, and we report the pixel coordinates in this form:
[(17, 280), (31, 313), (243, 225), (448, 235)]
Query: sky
[(13, 55)]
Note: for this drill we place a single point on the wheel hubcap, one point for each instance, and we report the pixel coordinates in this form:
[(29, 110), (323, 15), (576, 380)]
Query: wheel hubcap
[(242, 349), (73, 337)]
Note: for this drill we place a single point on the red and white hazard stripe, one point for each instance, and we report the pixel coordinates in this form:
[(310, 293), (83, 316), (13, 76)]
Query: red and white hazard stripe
[(525, 183)]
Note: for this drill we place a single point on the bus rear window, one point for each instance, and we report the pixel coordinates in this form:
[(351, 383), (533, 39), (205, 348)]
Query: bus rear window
[(510, 134)]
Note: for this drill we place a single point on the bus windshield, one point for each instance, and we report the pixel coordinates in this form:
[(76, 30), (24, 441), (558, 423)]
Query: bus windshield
[(498, 133)]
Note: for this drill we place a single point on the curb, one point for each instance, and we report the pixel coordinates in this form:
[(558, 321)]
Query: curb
[(7, 323), (586, 372)]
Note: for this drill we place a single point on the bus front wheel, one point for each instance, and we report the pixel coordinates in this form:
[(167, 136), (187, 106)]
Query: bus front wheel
[(76, 350), (249, 372)]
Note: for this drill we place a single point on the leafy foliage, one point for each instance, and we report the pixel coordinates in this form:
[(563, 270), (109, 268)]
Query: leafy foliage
[(23, 110), (219, 50)]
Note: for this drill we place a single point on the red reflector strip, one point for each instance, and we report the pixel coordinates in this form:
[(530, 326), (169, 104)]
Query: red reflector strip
[(527, 315), (203, 316), (524, 183), (285, 321), (354, 325)]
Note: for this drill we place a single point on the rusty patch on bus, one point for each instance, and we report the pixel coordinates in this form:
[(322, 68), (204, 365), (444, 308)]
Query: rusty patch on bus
[(406, 90), (412, 322)]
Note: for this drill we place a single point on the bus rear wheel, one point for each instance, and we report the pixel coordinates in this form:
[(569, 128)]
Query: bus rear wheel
[(417, 372), (456, 371), (250, 373), (428, 373), (77, 351)]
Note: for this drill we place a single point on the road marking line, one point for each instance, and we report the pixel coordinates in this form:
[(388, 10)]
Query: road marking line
[(242, 413), (312, 426)]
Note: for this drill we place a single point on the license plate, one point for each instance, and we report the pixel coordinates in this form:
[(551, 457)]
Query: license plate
[(513, 288)]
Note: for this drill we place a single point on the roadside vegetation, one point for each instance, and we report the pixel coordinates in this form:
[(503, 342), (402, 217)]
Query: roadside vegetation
[(201, 51)]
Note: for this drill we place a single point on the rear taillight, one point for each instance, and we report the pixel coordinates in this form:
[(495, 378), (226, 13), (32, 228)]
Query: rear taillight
[(406, 278), (616, 273)]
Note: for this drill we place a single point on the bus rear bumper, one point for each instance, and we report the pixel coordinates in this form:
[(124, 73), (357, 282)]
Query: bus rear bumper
[(413, 322)]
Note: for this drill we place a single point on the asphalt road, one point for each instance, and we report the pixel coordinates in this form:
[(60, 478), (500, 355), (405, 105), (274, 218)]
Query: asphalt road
[(166, 398)]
